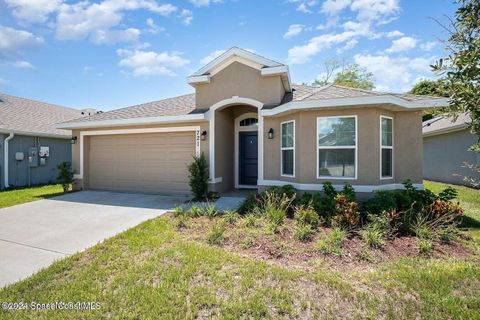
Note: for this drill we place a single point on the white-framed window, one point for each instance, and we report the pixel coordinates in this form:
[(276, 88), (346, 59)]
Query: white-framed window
[(337, 142), (386, 147), (287, 148)]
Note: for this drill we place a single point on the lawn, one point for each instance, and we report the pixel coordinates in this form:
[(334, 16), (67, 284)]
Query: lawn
[(19, 196), (157, 271)]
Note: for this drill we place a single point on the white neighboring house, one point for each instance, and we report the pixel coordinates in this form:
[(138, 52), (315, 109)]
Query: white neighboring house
[(446, 144)]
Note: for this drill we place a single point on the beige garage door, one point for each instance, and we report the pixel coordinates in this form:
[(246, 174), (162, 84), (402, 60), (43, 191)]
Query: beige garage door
[(151, 163)]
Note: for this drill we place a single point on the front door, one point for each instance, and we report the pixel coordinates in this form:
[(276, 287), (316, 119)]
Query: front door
[(248, 162)]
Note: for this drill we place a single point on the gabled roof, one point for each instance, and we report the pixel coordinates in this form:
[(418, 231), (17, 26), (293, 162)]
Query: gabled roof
[(266, 66), (182, 108), (442, 124), (29, 117)]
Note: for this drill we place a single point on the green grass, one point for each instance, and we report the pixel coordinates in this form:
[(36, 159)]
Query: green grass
[(19, 196)]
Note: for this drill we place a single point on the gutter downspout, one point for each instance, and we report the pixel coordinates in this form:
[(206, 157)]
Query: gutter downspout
[(5, 159)]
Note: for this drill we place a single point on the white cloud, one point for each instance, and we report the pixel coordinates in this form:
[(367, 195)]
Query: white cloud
[(154, 28), (211, 56), (403, 44), (33, 10), (186, 16), (375, 9), (204, 3), (13, 41), (95, 20), (395, 74), (333, 7), (115, 36), (149, 63), (304, 5), (350, 44), (293, 31), (21, 64), (352, 30), (428, 46), (394, 34)]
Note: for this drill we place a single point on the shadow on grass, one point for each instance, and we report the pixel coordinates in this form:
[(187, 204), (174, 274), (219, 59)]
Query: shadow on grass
[(471, 223), (49, 195)]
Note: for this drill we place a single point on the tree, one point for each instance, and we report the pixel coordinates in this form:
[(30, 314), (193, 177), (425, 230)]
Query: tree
[(461, 67), (430, 88), (198, 177), (65, 175), (348, 75)]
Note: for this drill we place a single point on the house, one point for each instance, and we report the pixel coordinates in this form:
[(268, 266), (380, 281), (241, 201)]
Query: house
[(446, 144), (257, 130), (31, 146)]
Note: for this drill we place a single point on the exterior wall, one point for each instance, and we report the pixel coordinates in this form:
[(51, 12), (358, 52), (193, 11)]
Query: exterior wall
[(81, 184), (445, 154), (407, 146), (2, 139), (60, 150), (239, 80)]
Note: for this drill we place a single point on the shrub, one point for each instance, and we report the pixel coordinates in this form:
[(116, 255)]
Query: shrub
[(304, 232), (249, 204), (195, 211), (215, 236), (209, 211), (424, 246), (349, 192), (329, 190), (231, 216), (65, 175), (306, 216), (181, 221), (373, 236), (347, 214), (332, 243), (448, 194), (438, 220), (288, 190), (198, 177), (178, 211), (250, 221)]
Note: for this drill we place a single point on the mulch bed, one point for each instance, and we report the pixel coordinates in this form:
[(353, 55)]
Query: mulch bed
[(283, 249)]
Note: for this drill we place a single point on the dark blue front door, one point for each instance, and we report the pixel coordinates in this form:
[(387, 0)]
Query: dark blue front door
[(248, 162)]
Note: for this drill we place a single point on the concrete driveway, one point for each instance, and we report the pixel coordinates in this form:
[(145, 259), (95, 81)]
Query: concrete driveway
[(34, 234)]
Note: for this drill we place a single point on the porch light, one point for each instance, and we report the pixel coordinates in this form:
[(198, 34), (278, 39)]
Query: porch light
[(270, 133), (73, 140), (203, 135)]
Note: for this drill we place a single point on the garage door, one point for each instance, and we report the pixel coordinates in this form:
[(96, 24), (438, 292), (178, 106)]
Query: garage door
[(151, 163)]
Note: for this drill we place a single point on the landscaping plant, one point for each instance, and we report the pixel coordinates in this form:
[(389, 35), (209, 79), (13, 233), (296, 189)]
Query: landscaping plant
[(306, 216), (198, 177), (304, 232), (65, 175), (215, 236), (332, 242)]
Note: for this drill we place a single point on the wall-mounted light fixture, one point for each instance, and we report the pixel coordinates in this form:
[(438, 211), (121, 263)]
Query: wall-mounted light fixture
[(203, 135), (270, 133), (73, 140)]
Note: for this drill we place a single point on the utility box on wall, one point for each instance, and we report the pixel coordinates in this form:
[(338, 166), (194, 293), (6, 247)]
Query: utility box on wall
[(33, 157)]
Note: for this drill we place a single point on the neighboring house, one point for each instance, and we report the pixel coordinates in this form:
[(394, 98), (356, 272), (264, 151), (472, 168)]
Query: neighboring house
[(31, 146), (445, 150), (257, 130)]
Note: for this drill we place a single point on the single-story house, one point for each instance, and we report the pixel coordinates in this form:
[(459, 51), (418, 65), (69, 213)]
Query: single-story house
[(257, 129), (446, 143), (31, 146)]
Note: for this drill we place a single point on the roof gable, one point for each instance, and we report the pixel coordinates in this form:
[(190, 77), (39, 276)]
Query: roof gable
[(267, 67)]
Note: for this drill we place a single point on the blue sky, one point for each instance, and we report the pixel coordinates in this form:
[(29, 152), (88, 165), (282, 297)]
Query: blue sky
[(114, 53)]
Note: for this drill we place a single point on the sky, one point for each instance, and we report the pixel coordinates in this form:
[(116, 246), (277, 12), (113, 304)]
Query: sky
[(108, 54)]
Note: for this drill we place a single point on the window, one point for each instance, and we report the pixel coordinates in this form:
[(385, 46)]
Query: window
[(288, 149), (337, 147), (248, 122), (386, 147)]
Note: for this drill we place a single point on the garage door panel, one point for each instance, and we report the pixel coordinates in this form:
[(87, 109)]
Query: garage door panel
[(154, 163)]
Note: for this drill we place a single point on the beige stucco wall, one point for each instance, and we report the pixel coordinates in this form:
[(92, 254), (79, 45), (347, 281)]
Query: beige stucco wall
[(407, 146), (239, 80), (83, 184)]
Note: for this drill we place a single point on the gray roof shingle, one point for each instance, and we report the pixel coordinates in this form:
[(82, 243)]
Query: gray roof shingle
[(25, 115), (185, 104), (444, 123)]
